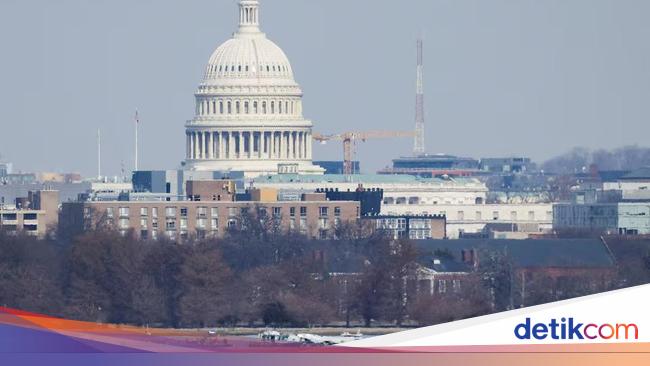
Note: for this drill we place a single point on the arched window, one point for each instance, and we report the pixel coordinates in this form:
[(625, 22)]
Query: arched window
[(246, 107), (286, 107), (214, 107), (220, 68), (263, 107), (255, 107), (229, 107), (246, 68), (280, 107), (268, 68), (232, 68), (237, 107), (273, 68), (272, 107), (239, 68), (220, 107)]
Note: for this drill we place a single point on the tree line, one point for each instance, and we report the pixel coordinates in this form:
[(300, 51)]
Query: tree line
[(256, 276), (579, 159)]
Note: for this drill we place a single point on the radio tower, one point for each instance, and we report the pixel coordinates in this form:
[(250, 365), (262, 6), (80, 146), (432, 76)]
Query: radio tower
[(418, 145)]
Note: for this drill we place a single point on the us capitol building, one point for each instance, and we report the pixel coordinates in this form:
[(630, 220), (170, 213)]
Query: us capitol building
[(248, 114)]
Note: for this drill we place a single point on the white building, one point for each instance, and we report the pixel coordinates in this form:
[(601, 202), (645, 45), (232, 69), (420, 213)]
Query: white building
[(249, 108), (469, 218), (403, 189)]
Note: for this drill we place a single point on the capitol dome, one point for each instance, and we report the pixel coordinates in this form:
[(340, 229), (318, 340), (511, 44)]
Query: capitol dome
[(253, 58), (249, 108)]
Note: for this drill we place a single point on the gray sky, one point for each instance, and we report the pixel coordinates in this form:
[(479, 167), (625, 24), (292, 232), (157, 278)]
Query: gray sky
[(501, 77)]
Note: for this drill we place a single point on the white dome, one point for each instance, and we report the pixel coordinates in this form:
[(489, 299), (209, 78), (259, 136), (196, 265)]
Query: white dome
[(248, 57)]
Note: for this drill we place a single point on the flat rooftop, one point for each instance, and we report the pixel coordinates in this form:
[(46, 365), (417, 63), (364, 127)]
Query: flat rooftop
[(357, 178)]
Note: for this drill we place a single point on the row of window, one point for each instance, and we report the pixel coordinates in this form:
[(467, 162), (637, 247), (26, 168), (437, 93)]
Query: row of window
[(202, 212), (171, 228), (434, 201), (212, 107), (223, 69), (478, 215), (442, 286)]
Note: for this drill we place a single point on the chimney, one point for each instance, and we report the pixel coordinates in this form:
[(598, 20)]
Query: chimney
[(470, 257)]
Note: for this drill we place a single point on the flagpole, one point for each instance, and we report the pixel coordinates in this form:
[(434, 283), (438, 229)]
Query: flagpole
[(99, 154), (137, 122)]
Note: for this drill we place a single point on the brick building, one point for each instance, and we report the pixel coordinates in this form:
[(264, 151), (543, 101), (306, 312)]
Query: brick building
[(33, 215), (316, 217)]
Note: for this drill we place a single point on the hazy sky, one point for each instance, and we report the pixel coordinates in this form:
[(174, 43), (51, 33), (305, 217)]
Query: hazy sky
[(501, 77)]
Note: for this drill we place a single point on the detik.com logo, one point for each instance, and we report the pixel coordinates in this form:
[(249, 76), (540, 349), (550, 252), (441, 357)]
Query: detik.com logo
[(568, 328)]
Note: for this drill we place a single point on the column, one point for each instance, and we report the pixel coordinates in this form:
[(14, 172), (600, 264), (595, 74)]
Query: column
[(231, 145), (206, 147), (215, 145), (223, 139), (288, 145), (285, 145), (308, 146), (202, 145), (294, 144), (251, 141), (210, 146), (196, 145), (190, 154), (240, 143), (292, 149), (220, 144), (203, 151), (188, 147)]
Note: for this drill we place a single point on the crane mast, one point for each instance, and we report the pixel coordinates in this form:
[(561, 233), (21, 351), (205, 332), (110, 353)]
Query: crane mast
[(418, 145)]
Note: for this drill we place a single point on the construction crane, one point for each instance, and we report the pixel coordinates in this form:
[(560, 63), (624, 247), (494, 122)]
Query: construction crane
[(350, 139)]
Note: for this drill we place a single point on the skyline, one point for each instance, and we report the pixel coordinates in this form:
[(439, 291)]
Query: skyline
[(79, 67)]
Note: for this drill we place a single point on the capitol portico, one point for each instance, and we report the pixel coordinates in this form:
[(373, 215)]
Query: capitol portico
[(249, 108)]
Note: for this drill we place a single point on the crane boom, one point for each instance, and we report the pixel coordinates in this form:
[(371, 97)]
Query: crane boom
[(350, 138)]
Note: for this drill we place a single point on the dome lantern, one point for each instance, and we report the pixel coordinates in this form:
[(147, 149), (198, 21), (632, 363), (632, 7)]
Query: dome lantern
[(249, 20)]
